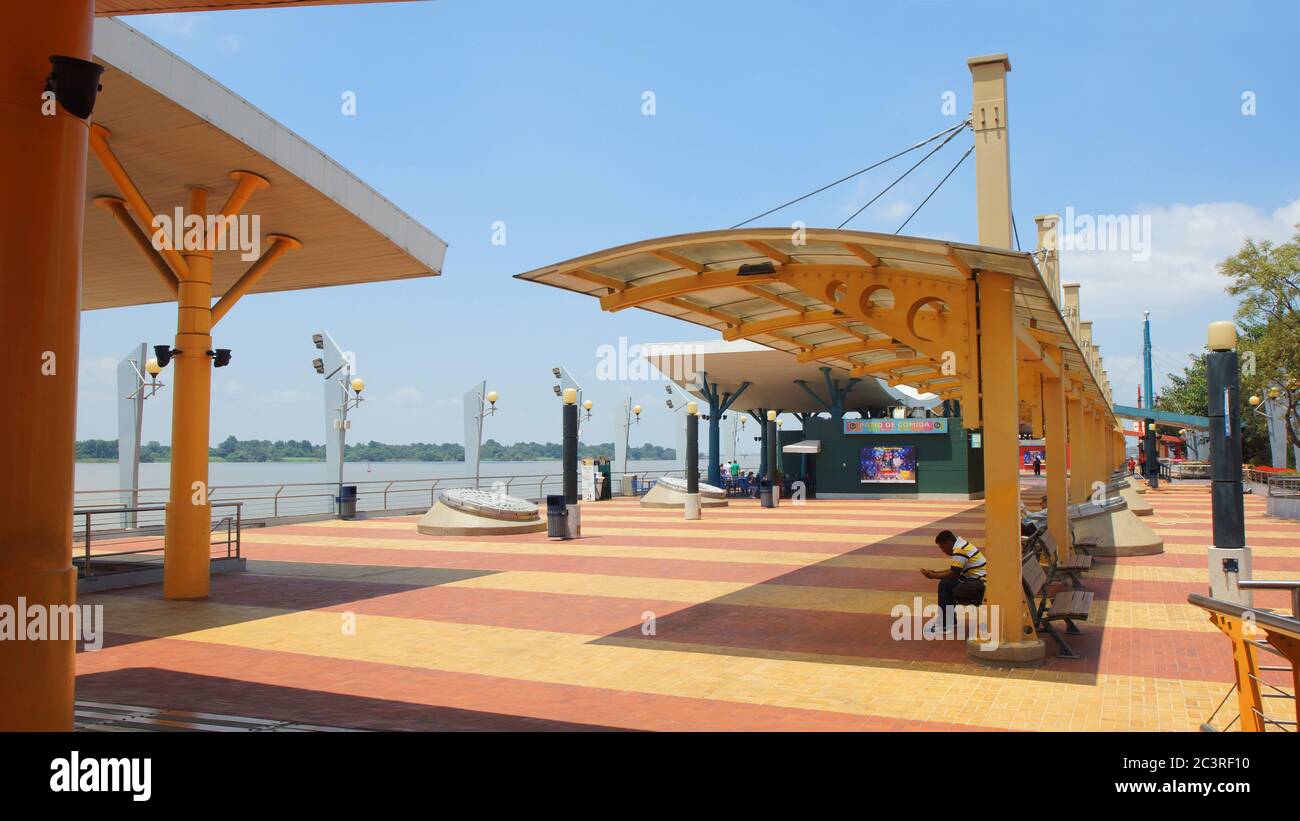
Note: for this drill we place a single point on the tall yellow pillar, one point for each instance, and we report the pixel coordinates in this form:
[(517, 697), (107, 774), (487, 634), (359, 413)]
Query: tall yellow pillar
[(1078, 452), (1016, 641), (187, 547), (1057, 491), (1002, 471), (42, 202), (1099, 470)]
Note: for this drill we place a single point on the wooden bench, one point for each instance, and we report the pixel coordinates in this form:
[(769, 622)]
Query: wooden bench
[(1068, 570), (1068, 606), (1084, 545)]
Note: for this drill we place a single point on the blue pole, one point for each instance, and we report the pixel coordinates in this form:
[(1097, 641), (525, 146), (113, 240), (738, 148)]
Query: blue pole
[(1148, 386)]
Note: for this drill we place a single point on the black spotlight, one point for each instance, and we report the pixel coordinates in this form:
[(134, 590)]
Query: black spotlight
[(163, 353), (221, 357), (756, 269), (75, 82)]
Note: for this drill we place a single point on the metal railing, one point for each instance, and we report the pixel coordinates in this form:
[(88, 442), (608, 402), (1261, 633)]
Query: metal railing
[(308, 499), (1242, 625), (113, 547)]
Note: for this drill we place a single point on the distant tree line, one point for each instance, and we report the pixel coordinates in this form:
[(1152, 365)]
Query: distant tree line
[(296, 450)]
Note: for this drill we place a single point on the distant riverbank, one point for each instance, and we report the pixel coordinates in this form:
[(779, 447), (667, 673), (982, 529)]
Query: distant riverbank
[(91, 451)]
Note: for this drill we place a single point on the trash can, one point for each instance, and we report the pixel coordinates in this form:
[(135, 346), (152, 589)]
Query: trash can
[(765, 495), (605, 482), (347, 502), (557, 515)]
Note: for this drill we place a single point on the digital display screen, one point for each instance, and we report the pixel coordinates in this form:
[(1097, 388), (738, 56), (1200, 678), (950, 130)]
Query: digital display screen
[(893, 464)]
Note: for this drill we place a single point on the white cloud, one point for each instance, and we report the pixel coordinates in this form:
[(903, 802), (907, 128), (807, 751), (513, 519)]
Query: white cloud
[(1187, 242)]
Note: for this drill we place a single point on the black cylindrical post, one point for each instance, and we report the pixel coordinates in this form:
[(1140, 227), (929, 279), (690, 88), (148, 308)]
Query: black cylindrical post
[(1225, 449), (693, 452), (570, 453), (772, 451), (1152, 450), (762, 446)]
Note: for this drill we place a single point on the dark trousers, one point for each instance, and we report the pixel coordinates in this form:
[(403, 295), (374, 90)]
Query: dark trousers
[(1038, 469), (958, 591)]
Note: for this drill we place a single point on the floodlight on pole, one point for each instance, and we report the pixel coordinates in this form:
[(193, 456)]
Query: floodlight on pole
[(342, 393)]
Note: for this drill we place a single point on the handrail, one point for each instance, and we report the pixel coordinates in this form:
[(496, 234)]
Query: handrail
[(1285, 625), (1277, 584), (233, 524), (1240, 624), (276, 500)]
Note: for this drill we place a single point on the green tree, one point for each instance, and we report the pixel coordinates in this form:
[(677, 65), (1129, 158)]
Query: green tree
[(1266, 278)]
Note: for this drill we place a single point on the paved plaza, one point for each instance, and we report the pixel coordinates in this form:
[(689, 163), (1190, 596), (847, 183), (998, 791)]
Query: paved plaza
[(749, 619)]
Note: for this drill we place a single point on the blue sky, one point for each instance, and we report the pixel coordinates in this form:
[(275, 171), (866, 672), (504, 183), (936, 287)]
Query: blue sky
[(531, 113)]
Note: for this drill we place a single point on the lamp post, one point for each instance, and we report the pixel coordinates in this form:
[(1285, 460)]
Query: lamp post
[(570, 422), (479, 404), (1229, 557), (1274, 419), (625, 416), (133, 389), (770, 498), (692, 506), (357, 385)]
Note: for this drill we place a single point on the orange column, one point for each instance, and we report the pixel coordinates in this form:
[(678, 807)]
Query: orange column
[(42, 202), (187, 546), (1058, 499), (998, 390)]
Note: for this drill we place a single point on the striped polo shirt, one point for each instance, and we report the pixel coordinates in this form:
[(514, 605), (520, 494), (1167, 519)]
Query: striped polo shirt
[(968, 561)]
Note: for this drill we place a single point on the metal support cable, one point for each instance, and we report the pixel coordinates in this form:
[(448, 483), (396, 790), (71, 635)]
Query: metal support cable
[(952, 130), (935, 189), (899, 179)]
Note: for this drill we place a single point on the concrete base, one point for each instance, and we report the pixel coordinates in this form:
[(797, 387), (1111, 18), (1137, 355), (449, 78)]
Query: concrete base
[(1223, 578), (1139, 506), (1029, 653), (1118, 533), (692, 506), (1137, 484), (664, 495), (442, 520)]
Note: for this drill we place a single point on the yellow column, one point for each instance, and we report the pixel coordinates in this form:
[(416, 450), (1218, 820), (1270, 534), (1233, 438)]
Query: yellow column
[(1057, 499), (189, 513), (1112, 460), (1002, 470), (43, 165), (1098, 447), (1078, 454), (992, 149)]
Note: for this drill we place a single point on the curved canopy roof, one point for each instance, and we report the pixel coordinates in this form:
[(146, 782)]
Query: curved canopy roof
[(773, 376), (739, 282), (173, 126), (108, 8)]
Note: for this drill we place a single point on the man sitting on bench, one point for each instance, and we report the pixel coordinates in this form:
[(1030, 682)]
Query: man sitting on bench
[(963, 581)]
